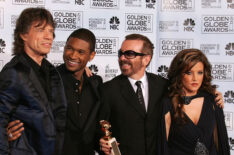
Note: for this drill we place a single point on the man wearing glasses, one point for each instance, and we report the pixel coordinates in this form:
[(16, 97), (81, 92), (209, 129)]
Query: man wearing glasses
[(131, 101)]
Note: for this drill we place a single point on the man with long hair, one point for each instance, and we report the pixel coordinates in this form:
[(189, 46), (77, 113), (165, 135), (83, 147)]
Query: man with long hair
[(31, 89)]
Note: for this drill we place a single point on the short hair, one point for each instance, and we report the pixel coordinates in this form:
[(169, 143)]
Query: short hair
[(24, 23), (182, 63), (86, 35), (148, 46)]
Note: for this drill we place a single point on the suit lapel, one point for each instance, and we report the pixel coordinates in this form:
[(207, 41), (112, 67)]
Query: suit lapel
[(36, 88), (130, 96)]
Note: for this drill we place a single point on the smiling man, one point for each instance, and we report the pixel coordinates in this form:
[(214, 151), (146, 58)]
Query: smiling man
[(81, 92), (31, 89)]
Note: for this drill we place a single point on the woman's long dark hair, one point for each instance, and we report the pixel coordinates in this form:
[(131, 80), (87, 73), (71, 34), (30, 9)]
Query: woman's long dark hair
[(182, 63)]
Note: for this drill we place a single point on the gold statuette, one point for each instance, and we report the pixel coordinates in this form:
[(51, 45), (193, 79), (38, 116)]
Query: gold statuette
[(105, 125)]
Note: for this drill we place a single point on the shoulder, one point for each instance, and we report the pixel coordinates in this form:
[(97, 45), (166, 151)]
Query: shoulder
[(61, 68), (16, 64), (114, 82), (156, 77), (96, 78)]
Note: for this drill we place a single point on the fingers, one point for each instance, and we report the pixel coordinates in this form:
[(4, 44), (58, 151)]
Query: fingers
[(219, 99), (13, 123), (104, 146), (14, 130), (88, 72)]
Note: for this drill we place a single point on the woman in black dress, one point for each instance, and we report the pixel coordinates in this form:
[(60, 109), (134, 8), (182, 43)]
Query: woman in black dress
[(192, 123)]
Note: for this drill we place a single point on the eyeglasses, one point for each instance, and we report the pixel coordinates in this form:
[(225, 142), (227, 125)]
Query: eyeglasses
[(129, 54)]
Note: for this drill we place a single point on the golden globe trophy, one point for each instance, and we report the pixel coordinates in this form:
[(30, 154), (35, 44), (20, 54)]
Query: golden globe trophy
[(107, 136)]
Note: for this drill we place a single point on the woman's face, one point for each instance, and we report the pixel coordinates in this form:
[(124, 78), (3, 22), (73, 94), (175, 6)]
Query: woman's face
[(192, 79)]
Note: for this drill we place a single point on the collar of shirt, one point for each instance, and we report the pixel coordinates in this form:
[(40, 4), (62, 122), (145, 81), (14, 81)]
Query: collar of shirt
[(144, 82), (144, 86)]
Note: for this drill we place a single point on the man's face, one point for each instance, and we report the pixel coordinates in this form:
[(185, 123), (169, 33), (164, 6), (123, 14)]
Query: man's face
[(77, 54), (135, 67), (38, 40)]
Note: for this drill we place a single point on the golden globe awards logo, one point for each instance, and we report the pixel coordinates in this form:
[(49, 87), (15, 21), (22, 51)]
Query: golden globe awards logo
[(177, 5), (229, 49), (107, 46), (138, 22), (29, 2), (228, 116), (222, 72), (170, 47), (217, 24), (58, 47), (105, 4), (68, 20)]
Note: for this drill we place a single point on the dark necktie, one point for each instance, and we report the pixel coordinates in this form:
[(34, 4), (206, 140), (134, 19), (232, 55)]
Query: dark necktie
[(140, 95)]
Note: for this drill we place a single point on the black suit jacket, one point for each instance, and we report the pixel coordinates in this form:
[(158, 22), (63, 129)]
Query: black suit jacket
[(135, 130), (79, 139), (22, 97)]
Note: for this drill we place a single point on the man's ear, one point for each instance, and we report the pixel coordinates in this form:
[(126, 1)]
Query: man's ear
[(146, 60), (92, 54), (24, 36)]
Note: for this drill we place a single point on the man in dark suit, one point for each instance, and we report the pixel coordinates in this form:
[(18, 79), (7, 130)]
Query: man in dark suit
[(81, 93), (31, 89), (134, 120)]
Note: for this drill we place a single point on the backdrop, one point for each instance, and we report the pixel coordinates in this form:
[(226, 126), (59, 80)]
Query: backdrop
[(172, 25)]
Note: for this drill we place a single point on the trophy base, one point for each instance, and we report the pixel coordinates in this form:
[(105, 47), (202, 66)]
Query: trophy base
[(115, 149)]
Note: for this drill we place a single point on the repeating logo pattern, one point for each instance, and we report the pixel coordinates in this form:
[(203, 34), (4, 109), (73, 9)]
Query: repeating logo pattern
[(170, 47), (229, 49), (217, 24), (222, 72), (114, 23), (107, 46), (94, 69), (139, 22), (189, 24), (105, 4), (2, 46), (68, 20)]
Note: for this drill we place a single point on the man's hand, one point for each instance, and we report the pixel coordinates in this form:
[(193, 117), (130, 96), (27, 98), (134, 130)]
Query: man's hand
[(14, 130), (104, 146), (89, 73), (219, 99)]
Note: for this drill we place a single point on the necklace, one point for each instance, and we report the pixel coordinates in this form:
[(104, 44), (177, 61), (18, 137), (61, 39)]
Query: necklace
[(188, 99)]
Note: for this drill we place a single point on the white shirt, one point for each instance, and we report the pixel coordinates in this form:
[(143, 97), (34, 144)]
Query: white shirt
[(144, 87)]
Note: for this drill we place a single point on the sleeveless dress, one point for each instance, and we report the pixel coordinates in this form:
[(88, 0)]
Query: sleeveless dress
[(183, 139)]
